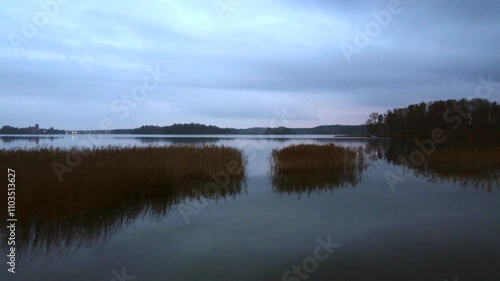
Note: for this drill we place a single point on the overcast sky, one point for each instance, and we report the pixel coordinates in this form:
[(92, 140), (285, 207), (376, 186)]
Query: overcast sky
[(238, 63)]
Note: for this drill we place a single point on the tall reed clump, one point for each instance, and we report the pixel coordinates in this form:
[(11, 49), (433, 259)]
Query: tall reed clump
[(309, 167), (104, 188)]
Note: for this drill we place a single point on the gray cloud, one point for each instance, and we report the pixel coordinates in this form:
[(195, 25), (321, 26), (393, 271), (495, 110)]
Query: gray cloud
[(240, 68)]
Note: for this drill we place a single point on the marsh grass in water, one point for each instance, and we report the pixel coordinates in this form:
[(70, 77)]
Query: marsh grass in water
[(307, 167), (109, 188)]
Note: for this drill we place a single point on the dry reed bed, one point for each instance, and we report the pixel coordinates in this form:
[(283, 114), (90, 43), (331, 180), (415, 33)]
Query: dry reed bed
[(111, 186), (307, 167)]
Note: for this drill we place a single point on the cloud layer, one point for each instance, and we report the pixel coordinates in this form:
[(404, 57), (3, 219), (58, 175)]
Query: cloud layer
[(238, 63)]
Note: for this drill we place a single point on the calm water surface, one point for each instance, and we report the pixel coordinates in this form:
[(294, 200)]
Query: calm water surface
[(428, 225)]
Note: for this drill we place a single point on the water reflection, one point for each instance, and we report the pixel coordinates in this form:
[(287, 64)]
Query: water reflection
[(179, 140), (55, 221), (13, 139), (107, 192), (463, 162)]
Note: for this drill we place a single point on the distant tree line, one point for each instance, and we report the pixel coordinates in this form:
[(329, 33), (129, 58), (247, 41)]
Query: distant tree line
[(457, 117), (333, 130), (176, 129), (201, 129), (8, 130)]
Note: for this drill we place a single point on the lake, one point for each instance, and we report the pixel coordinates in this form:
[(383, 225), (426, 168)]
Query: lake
[(393, 220)]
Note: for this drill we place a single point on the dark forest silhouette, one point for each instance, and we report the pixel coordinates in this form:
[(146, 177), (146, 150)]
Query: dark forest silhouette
[(476, 117), (201, 129)]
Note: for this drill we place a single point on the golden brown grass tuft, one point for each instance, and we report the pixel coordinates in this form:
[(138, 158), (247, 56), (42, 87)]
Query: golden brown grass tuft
[(106, 187), (307, 167), (130, 166)]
